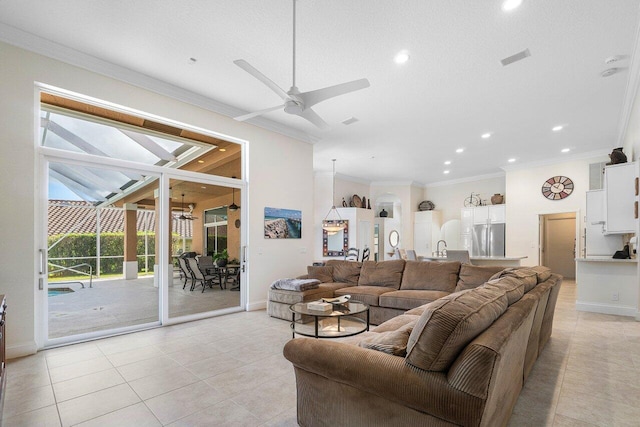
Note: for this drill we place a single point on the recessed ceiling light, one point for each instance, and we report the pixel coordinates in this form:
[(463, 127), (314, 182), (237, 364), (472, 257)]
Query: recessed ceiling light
[(445, 172), (448, 162), (223, 149), (401, 57), (565, 150), (511, 160), (485, 135), (510, 5), (556, 128), (200, 161), (459, 150)]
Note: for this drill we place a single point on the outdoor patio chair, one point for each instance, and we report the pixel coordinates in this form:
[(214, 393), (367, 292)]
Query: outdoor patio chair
[(199, 276), (185, 272)]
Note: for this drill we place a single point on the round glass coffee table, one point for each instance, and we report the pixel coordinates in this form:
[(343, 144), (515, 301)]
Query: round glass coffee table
[(350, 318)]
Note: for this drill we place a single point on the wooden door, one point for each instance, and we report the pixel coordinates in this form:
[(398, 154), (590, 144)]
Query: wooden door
[(558, 243)]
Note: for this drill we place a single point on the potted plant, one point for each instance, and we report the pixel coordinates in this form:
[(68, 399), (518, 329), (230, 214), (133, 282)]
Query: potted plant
[(221, 258)]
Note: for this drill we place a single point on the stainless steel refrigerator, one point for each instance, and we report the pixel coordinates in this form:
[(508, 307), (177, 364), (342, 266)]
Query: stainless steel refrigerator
[(488, 240)]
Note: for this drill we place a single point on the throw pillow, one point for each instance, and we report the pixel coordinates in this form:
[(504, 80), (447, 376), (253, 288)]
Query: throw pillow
[(432, 276), (390, 342), (385, 273), (472, 276), (450, 323), (322, 273)]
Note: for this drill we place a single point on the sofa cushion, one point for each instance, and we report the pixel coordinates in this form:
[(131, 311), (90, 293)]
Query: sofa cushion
[(472, 276), (366, 294), (395, 323), (345, 271), (450, 323), (529, 277), (512, 287), (432, 276), (385, 273), (542, 272), (323, 273), (391, 342), (408, 299)]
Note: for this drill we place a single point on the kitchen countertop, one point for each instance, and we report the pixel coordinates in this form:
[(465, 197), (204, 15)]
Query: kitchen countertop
[(606, 259)]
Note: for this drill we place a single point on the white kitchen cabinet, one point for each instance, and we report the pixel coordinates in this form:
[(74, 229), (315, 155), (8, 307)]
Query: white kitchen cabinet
[(426, 231), (466, 221), (495, 214), (620, 197), (595, 207)]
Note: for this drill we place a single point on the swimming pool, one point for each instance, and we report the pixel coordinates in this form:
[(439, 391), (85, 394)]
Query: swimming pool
[(59, 291)]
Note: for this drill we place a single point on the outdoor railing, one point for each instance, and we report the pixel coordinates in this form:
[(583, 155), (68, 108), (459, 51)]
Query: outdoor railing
[(73, 268)]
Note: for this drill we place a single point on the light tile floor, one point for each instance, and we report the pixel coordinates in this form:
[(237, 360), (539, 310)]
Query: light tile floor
[(230, 370)]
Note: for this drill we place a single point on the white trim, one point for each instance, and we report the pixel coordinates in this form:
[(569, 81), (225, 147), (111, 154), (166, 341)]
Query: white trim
[(44, 47), (258, 305), (463, 180), (617, 310), (398, 183), (22, 349), (557, 160)]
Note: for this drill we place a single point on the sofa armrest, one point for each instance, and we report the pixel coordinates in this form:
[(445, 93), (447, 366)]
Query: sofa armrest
[(383, 375), (304, 276)]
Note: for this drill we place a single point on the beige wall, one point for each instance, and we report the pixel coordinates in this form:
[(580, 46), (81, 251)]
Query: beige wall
[(525, 203), (449, 197), (274, 180)]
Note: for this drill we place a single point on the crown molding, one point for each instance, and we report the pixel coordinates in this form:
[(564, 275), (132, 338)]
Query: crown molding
[(463, 180), (562, 159), (396, 183), (631, 91), (50, 49)]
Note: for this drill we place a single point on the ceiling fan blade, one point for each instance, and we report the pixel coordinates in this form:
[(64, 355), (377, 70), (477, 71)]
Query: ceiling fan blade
[(314, 118), (257, 113), (264, 79), (311, 98)]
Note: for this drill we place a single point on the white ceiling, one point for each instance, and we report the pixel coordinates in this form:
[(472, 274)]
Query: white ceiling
[(413, 117)]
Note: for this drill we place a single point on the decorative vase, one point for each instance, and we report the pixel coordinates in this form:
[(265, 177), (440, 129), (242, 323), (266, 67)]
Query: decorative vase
[(384, 214), (344, 203), (497, 199), (369, 204), (364, 203), (221, 262)]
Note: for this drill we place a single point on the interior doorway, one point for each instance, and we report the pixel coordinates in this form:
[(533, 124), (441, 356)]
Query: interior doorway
[(558, 238)]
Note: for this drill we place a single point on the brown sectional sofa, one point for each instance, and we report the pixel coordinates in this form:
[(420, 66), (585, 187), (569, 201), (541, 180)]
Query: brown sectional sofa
[(460, 359), (389, 287)]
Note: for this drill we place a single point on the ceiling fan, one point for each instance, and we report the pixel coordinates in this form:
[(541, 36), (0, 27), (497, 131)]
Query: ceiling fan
[(186, 216), (295, 102)]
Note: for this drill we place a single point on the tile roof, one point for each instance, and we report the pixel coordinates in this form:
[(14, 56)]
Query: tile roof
[(80, 217)]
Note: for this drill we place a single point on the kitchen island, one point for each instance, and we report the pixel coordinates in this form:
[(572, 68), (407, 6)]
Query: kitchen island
[(607, 285), (485, 260)]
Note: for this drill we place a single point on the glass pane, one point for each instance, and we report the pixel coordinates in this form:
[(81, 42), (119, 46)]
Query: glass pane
[(206, 277), (101, 256)]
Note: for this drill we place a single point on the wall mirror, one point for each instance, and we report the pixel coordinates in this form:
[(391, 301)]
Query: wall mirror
[(335, 244), (394, 238)]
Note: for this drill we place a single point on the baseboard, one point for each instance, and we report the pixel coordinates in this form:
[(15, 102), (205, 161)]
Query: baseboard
[(260, 305), (607, 309), (25, 349)]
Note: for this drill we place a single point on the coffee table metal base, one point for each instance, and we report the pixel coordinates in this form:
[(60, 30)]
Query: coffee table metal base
[(341, 322)]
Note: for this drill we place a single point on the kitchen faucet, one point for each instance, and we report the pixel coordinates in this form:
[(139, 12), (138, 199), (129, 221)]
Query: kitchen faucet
[(438, 252)]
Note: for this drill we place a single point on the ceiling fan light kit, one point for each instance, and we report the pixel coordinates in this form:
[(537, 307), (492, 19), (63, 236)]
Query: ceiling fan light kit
[(295, 102)]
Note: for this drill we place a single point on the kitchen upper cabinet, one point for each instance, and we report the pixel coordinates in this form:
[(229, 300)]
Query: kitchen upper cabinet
[(620, 198), (495, 214)]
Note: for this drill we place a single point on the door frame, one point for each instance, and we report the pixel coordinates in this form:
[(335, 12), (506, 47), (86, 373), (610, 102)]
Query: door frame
[(578, 240)]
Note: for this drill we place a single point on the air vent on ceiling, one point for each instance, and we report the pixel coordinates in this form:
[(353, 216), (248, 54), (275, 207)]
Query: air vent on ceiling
[(349, 121), (514, 58)]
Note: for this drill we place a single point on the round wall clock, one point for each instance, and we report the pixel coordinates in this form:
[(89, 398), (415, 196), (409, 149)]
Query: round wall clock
[(557, 188)]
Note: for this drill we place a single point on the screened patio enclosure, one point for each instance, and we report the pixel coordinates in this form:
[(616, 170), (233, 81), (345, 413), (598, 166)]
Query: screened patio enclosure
[(104, 221)]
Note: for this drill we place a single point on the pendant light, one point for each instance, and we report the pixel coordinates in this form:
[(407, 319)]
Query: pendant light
[(233, 207), (333, 226)]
